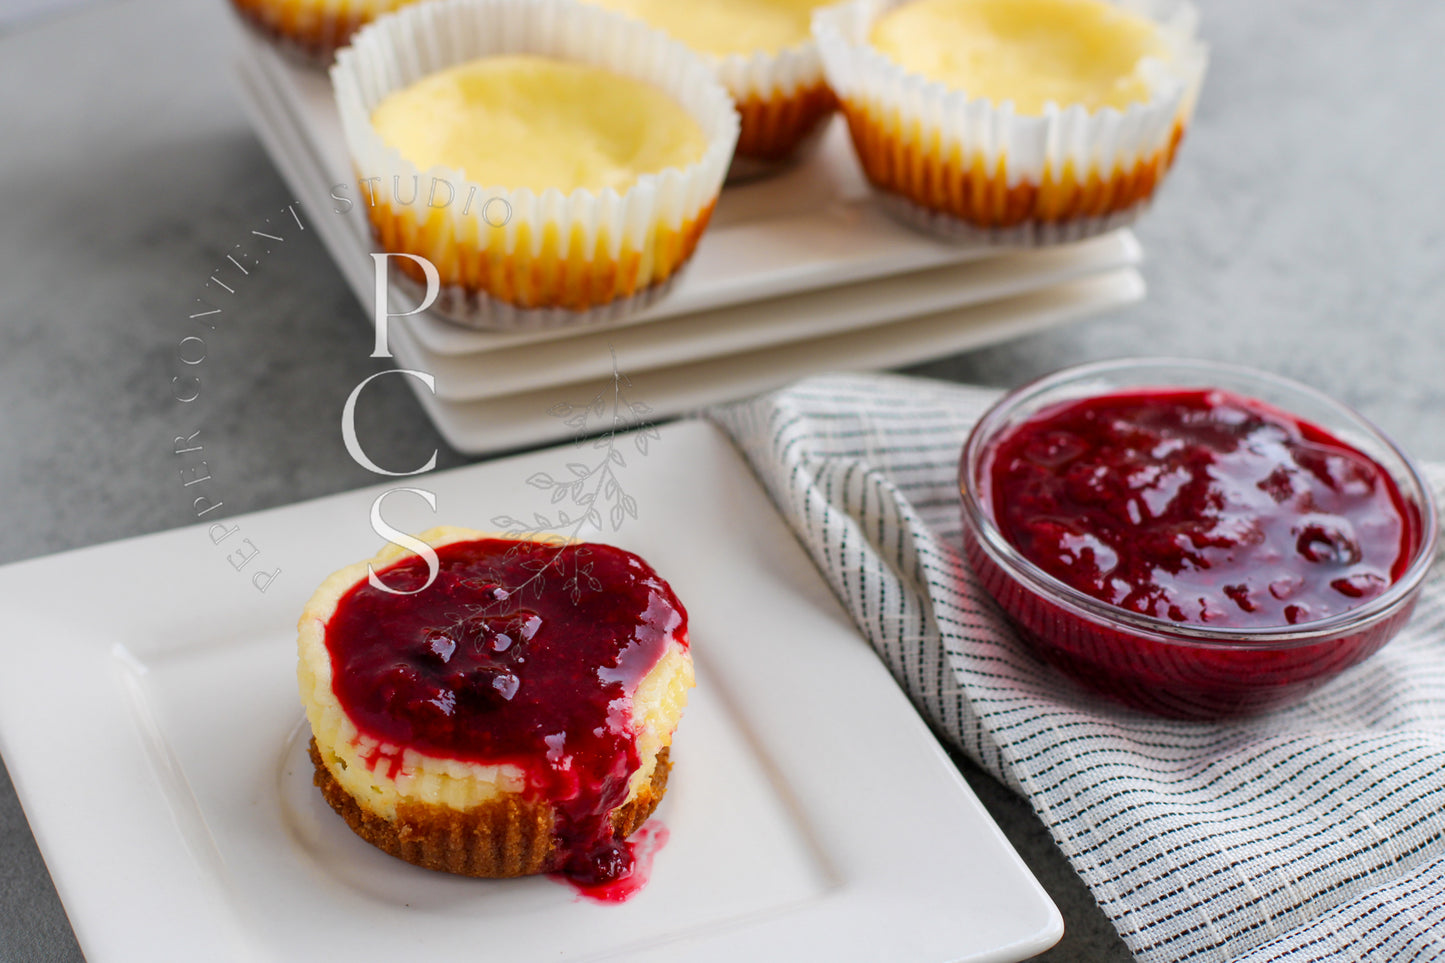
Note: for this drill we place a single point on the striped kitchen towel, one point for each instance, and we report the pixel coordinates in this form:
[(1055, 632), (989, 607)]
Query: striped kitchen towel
[(1312, 833)]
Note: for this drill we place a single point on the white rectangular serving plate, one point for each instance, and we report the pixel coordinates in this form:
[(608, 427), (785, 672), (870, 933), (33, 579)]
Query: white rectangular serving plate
[(510, 422), (813, 230), (150, 723), (497, 399), (731, 332), (811, 227)]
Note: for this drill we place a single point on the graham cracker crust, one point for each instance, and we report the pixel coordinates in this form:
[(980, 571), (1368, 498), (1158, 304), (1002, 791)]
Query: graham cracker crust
[(505, 838)]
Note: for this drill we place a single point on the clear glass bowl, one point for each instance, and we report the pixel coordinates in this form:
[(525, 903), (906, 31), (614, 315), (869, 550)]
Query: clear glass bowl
[(1170, 668)]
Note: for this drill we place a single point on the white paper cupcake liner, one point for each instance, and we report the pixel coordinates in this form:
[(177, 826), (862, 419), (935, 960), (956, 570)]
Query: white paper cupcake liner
[(1029, 234), (973, 170), (784, 101), (609, 254), (311, 31)]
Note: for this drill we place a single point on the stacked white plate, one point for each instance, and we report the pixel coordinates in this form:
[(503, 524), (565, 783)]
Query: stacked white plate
[(797, 274)]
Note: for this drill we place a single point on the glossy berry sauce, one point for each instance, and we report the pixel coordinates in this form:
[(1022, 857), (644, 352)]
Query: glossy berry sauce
[(520, 653), (642, 847), (1199, 506)]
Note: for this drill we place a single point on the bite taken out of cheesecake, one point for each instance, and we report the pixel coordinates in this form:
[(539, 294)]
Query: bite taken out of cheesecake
[(513, 717)]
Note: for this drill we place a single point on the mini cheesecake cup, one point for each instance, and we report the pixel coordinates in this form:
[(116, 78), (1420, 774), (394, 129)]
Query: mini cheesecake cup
[(963, 168), (515, 259), (447, 814), (311, 31), (784, 102)]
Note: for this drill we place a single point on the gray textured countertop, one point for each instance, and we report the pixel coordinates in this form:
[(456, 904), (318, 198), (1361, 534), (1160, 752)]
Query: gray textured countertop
[(1301, 232)]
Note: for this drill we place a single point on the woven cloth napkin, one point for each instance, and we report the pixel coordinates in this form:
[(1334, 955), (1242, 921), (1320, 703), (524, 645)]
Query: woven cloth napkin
[(1315, 832)]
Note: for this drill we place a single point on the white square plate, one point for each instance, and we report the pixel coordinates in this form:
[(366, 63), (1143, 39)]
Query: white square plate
[(149, 719)]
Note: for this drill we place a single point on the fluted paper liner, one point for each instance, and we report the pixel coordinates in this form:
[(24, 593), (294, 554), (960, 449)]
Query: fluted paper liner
[(513, 258), (964, 168), (507, 837), (311, 31), (783, 100)]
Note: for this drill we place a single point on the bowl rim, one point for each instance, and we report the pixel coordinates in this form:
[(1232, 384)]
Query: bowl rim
[(982, 526)]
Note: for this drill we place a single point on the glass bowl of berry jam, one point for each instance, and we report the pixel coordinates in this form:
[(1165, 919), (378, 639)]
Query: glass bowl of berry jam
[(1194, 539)]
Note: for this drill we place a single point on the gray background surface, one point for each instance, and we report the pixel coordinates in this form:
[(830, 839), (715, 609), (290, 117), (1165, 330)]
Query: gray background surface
[(1300, 232)]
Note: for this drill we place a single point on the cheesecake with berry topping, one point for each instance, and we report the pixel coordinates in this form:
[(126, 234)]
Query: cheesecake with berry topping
[(503, 708)]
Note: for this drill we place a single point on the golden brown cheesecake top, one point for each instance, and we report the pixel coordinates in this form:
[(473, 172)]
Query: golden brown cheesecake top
[(522, 121), (722, 27), (1031, 52)]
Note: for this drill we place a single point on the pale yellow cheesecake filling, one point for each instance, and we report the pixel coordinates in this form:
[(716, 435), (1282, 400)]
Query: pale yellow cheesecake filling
[(722, 27), (1032, 52), (534, 122), (380, 777)]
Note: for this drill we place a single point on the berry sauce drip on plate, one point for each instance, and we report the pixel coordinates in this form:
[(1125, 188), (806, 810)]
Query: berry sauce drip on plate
[(518, 653), (642, 847), (1199, 506)]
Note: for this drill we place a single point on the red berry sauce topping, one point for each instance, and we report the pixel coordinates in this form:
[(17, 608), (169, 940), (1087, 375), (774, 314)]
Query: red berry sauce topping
[(1199, 506), (642, 847), (520, 653)]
